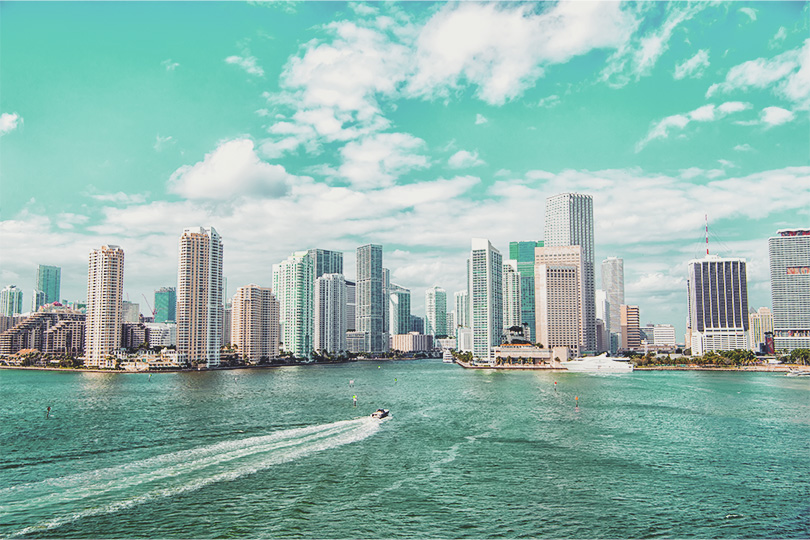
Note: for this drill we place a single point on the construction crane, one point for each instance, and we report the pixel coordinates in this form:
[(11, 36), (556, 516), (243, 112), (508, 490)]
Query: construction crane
[(152, 311)]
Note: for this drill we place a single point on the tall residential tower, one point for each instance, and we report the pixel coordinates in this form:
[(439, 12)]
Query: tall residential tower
[(790, 288), (105, 287), (486, 298)]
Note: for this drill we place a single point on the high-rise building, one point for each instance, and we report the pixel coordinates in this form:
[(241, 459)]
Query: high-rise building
[(330, 314), (227, 323), (53, 330), (131, 312), (166, 305), (559, 297), (603, 314), (569, 222), (451, 324), (386, 285), (718, 304), (351, 306), (49, 281), (462, 302), (417, 324), (435, 311), (523, 253), (370, 302), (486, 298), (37, 300), (325, 261), (11, 298), (292, 284), (255, 323), (790, 288), (630, 330), (105, 286), (512, 312), (759, 323), (613, 285), (199, 297), (399, 302)]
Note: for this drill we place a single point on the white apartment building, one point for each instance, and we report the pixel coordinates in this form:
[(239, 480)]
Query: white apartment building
[(789, 254), (436, 312), (255, 323), (486, 298), (105, 287), (512, 315), (399, 310), (292, 284), (330, 314)]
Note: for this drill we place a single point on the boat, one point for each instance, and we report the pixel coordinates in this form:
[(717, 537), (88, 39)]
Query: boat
[(598, 364), (447, 357), (798, 372), (380, 414)]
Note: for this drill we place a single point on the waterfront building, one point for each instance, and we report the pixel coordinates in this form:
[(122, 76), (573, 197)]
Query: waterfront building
[(718, 304), (559, 285), (166, 305), (199, 297), (370, 301), (523, 253), (325, 261), (436, 311), (227, 323), (417, 324), (105, 287), (53, 330), (789, 254), (462, 302), (569, 222), (292, 285), (356, 342), (464, 339), (399, 302), (601, 332), (161, 334), (133, 335), (412, 342), (37, 300), (351, 306), (603, 314), (255, 323), (630, 331), (49, 281), (664, 335), (528, 354), (131, 312), (512, 312), (450, 317), (386, 288), (613, 285), (330, 314), (486, 298), (11, 298), (760, 322)]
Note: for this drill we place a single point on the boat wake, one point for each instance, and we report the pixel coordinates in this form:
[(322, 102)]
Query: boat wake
[(103, 491)]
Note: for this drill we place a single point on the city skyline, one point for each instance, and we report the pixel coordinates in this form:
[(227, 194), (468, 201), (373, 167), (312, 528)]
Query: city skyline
[(420, 153)]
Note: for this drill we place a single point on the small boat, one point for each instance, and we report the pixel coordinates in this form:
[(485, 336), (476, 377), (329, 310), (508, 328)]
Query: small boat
[(447, 357), (798, 373), (380, 414), (598, 364)]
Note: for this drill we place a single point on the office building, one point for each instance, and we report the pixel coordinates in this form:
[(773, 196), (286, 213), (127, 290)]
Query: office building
[(559, 297), (486, 298), (789, 254), (105, 287), (37, 300), (255, 323), (435, 312), (11, 298), (613, 285), (325, 262), (630, 330), (451, 324), (399, 312), (718, 304), (417, 324), (760, 322), (131, 312), (569, 222), (293, 287), (512, 312), (370, 301), (523, 253), (351, 306), (462, 302), (603, 314), (412, 342), (166, 305), (49, 281), (199, 297), (330, 314)]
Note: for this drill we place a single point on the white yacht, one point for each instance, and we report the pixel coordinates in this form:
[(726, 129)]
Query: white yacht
[(447, 357), (598, 364)]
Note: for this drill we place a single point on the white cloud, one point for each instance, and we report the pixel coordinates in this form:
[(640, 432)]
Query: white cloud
[(549, 101), (162, 142), (9, 122), (232, 170), (480, 119), (119, 198), (169, 65), (693, 67), (774, 116), (463, 159), (707, 113), (744, 148), (248, 63), (778, 38), (752, 13), (378, 160)]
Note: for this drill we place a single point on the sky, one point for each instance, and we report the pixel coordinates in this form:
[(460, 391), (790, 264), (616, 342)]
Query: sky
[(415, 125)]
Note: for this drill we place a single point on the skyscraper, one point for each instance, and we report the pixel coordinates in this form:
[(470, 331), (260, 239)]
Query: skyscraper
[(11, 300), (326, 262), (512, 312), (759, 323), (199, 296), (370, 303), (105, 286), (351, 306), (436, 311), (330, 314), (486, 298), (255, 323), (49, 280), (292, 284), (613, 285), (462, 302), (523, 253), (790, 288), (131, 311), (37, 300), (569, 222), (399, 301), (166, 305), (631, 332), (559, 297), (718, 304)]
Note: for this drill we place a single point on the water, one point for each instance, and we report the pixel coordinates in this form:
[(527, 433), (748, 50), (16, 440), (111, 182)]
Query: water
[(283, 453)]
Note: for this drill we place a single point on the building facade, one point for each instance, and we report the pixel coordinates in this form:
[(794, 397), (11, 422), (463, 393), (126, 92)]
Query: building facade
[(166, 305), (718, 304), (559, 297), (412, 342), (105, 288), (613, 285), (11, 299), (199, 297), (523, 253), (486, 298), (330, 314), (131, 312), (462, 302), (54, 330), (512, 309), (370, 302), (292, 284), (629, 317), (49, 281), (760, 322), (789, 254), (399, 303), (435, 311), (569, 222), (325, 261), (255, 323)]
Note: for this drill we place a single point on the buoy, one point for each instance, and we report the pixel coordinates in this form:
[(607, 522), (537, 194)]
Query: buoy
[(555, 386)]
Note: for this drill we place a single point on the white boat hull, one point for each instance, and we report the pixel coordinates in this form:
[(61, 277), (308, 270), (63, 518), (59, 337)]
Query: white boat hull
[(598, 364)]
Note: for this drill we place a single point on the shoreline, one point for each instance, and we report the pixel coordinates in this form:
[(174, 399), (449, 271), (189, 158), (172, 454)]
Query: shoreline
[(781, 368)]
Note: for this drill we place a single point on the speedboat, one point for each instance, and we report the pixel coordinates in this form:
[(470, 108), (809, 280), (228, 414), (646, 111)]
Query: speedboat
[(380, 414), (598, 364), (798, 373)]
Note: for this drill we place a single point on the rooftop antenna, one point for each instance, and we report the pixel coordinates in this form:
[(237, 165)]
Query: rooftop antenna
[(707, 235)]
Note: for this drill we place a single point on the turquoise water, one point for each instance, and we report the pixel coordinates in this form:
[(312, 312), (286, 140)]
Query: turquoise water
[(283, 453)]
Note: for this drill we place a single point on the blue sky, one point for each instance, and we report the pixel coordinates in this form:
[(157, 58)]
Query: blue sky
[(417, 126)]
